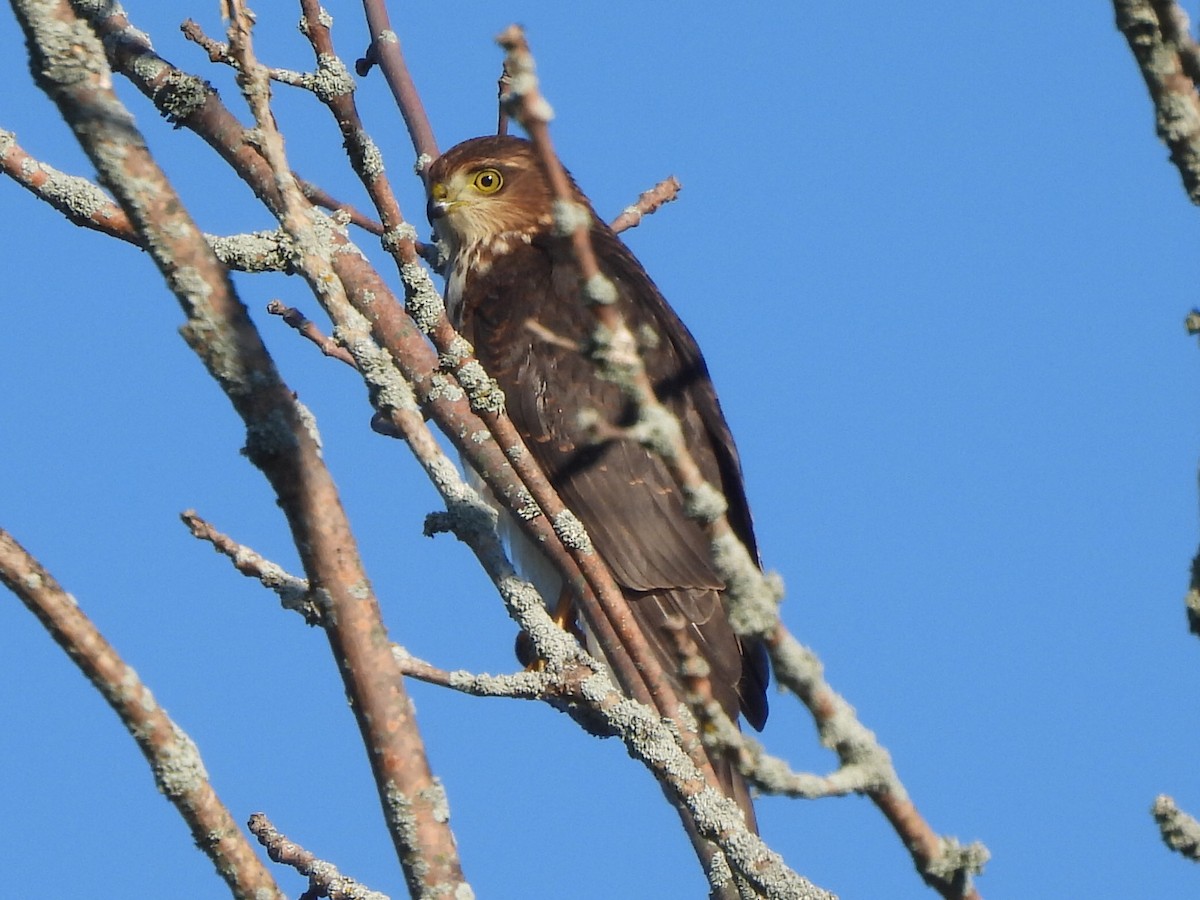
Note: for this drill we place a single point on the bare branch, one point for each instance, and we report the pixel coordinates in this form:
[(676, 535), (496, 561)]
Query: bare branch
[(751, 596), (297, 320), (317, 196), (174, 758), (81, 201), (617, 356), (294, 593), (324, 879), (1157, 33), (648, 202), (501, 90), (385, 51), (768, 773), (528, 685), (943, 863), (86, 205), (413, 800)]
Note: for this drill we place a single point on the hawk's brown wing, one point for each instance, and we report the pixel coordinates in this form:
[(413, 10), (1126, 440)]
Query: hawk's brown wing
[(624, 495)]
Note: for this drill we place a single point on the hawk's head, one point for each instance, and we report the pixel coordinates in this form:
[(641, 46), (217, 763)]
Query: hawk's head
[(486, 191)]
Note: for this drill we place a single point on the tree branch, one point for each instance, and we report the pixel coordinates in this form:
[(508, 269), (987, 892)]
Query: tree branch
[(294, 593), (1157, 33), (385, 51), (751, 596), (174, 759), (648, 202), (281, 440), (324, 879)]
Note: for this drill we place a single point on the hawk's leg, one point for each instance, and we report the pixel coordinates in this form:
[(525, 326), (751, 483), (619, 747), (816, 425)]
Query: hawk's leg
[(565, 618)]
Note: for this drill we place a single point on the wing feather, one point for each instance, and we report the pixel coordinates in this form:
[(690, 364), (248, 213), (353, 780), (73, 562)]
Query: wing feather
[(624, 495)]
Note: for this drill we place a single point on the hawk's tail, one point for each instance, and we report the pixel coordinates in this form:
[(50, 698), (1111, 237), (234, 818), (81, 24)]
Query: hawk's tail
[(734, 786)]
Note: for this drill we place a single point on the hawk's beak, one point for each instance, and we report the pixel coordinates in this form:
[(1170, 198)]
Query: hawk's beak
[(439, 202)]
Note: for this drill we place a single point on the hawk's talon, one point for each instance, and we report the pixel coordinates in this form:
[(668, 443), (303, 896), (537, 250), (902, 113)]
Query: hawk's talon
[(564, 618)]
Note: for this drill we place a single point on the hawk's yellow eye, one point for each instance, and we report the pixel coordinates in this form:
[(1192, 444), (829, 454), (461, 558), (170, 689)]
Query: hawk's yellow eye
[(488, 181)]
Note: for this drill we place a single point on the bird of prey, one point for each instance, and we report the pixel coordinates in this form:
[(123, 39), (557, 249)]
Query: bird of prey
[(510, 283)]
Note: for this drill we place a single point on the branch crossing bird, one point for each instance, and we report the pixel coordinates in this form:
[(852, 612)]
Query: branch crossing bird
[(513, 289)]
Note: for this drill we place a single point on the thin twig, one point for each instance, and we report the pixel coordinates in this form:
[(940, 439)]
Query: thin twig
[(502, 84), (297, 320), (318, 196), (385, 51), (648, 202), (618, 358), (324, 879), (1158, 36), (528, 685), (86, 205), (293, 592), (81, 201)]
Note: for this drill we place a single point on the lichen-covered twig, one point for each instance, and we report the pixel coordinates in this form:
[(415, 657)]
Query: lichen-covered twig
[(81, 201), (305, 326), (85, 204), (1180, 831), (324, 879), (174, 758), (293, 592), (318, 196), (648, 202), (1166, 54)]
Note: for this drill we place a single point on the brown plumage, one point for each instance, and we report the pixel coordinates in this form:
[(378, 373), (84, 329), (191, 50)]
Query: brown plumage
[(492, 208)]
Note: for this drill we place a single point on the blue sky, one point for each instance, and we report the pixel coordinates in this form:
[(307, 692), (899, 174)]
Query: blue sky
[(939, 265)]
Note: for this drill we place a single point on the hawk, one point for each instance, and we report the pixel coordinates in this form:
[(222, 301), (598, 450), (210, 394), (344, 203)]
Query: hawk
[(510, 282)]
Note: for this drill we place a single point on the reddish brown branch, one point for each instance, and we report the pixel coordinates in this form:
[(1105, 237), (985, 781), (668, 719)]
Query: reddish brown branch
[(297, 320), (173, 757), (324, 879), (81, 201), (412, 799), (218, 51), (319, 197), (533, 112), (618, 358), (280, 438), (293, 592), (385, 51), (648, 202), (501, 90), (751, 597)]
